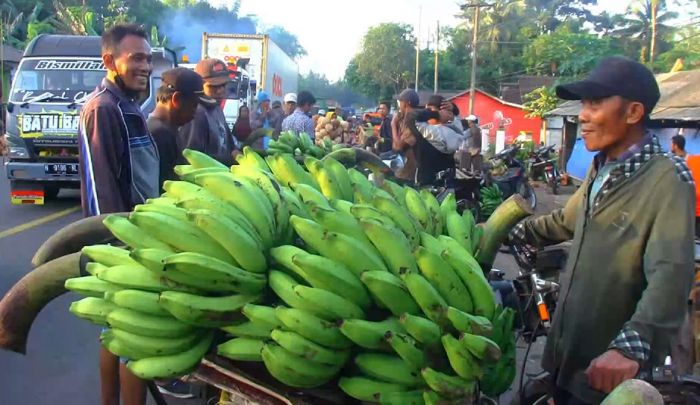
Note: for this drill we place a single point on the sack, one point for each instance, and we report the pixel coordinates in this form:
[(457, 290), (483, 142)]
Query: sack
[(443, 138)]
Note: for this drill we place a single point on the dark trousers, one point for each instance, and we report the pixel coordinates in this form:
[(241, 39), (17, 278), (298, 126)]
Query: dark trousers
[(562, 397)]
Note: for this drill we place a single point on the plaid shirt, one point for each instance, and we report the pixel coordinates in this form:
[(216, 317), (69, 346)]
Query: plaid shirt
[(299, 122), (629, 342)]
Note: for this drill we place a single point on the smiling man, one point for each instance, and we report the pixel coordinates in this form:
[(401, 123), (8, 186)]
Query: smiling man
[(631, 262)]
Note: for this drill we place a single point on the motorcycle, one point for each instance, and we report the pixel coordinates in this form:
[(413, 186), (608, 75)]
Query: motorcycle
[(543, 164), (511, 179)]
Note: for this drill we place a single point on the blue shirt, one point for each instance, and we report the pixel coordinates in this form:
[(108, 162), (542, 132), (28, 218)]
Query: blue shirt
[(299, 122)]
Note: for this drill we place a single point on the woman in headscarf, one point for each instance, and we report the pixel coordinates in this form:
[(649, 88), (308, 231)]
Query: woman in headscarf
[(242, 129)]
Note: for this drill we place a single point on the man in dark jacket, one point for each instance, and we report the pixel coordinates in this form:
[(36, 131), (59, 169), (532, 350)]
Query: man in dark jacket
[(385, 127), (208, 132), (119, 163), (631, 263)]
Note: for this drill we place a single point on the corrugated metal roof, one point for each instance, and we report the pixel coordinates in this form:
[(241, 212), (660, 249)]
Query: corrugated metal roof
[(680, 98)]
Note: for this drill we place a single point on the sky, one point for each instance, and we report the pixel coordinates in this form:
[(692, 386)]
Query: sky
[(331, 32)]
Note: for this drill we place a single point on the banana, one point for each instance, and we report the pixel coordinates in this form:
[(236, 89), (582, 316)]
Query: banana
[(137, 300), (469, 221), (262, 315), (201, 160), (307, 349), (366, 211), (327, 274), (368, 334), (281, 146), (389, 292), (444, 279), (133, 235), (283, 285), (361, 195), (339, 222), (423, 330), (447, 385), (282, 256), (107, 255), (341, 175), (171, 365), (312, 327), (416, 207), (384, 194), (480, 347), (498, 379), (294, 203), (222, 209), (341, 205), (288, 172), (461, 360), (308, 195), (147, 325), (453, 246), (245, 196), (473, 278), (427, 297), (431, 397), (90, 286), (189, 175), (397, 214), (468, 323), (241, 349), (327, 305), (448, 205), (92, 268), (152, 259), (457, 230), (476, 236), (405, 347), (250, 158), (290, 140), (396, 191), (138, 277), (326, 180), (360, 183), (305, 142), (162, 201), (431, 243), (339, 247), (365, 389), (203, 268), (92, 309), (252, 330), (345, 155), (293, 370), (234, 239), (392, 245), (202, 311), (414, 397), (433, 206), (182, 235), (181, 190), (119, 348), (388, 368)]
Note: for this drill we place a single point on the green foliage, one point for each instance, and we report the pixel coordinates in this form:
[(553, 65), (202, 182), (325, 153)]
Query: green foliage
[(287, 41), (324, 89), (540, 101)]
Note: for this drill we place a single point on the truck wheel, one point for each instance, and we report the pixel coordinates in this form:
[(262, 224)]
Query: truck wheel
[(51, 192)]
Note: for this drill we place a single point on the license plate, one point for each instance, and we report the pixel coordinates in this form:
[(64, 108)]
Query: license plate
[(61, 168)]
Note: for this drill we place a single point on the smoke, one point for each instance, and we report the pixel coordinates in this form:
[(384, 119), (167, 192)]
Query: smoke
[(184, 27)]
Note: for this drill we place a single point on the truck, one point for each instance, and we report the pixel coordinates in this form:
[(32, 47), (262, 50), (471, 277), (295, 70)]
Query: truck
[(255, 64), (54, 78)]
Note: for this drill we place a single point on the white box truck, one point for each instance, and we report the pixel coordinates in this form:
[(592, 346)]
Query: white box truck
[(256, 63)]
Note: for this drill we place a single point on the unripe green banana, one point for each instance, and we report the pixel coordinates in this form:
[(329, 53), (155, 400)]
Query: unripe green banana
[(396, 191), (283, 285), (464, 322), (366, 211), (168, 210), (147, 325), (431, 243), (137, 300), (90, 286), (326, 180), (431, 397), (252, 330), (427, 297), (294, 203), (282, 257), (309, 194), (476, 237), (444, 279), (152, 259), (360, 183), (239, 244), (327, 305), (262, 315), (416, 207), (473, 278), (448, 205), (204, 268), (119, 348), (433, 206), (383, 194), (92, 309), (157, 346), (182, 235), (173, 365), (423, 330), (414, 397), (398, 215), (365, 389), (332, 276), (188, 172), (132, 235), (107, 255), (388, 368), (369, 334), (162, 200), (461, 360), (308, 349), (312, 327), (200, 160), (181, 190), (312, 369), (447, 385), (250, 158), (138, 277), (457, 230), (451, 245), (222, 209), (341, 176), (201, 311), (293, 370), (92, 268), (241, 349), (391, 244), (288, 172), (480, 347), (405, 347), (339, 222), (389, 292), (341, 205)]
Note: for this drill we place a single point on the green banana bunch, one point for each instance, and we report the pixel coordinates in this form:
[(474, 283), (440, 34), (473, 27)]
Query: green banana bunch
[(498, 377), (90, 286), (491, 198), (171, 365), (241, 349), (480, 347), (288, 172), (223, 210), (212, 312)]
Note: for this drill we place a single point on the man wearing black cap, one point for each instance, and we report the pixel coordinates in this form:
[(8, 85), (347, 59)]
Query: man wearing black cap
[(631, 262), (177, 98), (208, 132)]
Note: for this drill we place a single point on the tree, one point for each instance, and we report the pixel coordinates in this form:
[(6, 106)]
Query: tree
[(648, 22), (540, 101), (287, 41)]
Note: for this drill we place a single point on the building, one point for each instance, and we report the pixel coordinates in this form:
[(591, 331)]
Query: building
[(676, 113)]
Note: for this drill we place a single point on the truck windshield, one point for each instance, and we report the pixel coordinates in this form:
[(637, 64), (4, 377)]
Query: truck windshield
[(68, 79)]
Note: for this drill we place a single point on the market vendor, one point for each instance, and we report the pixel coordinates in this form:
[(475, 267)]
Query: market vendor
[(631, 262)]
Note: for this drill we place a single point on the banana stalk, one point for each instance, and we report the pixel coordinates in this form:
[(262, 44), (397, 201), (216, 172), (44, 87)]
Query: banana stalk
[(497, 227)]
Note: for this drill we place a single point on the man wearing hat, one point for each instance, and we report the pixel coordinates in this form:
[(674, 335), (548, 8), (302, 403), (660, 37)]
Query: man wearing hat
[(631, 262), (290, 104), (208, 132), (180, 92)]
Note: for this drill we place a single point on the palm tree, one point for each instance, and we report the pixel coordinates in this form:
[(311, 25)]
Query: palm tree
[(647, 22)]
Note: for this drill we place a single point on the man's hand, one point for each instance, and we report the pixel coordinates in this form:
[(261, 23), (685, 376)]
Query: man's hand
[(610, 369)]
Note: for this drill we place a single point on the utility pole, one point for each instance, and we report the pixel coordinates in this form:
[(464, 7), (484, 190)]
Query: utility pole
[(472, 85), (420, 12), (437, 51)]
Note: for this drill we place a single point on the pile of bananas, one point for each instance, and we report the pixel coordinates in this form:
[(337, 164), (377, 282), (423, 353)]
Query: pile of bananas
[(491, 198), (313, 270), (290, 143)]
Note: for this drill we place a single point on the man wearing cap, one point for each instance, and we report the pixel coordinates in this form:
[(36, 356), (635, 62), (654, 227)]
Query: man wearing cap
[(631, 263), (290, 104), (403, 137), (208, 132), (300, 121), (180, 91)]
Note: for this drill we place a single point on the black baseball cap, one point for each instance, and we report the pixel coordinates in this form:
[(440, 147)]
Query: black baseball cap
[(213, 71), (615, 76), (410, 96), (185, 81)]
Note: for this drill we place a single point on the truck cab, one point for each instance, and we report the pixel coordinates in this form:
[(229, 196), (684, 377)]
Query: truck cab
[(55, 77)]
